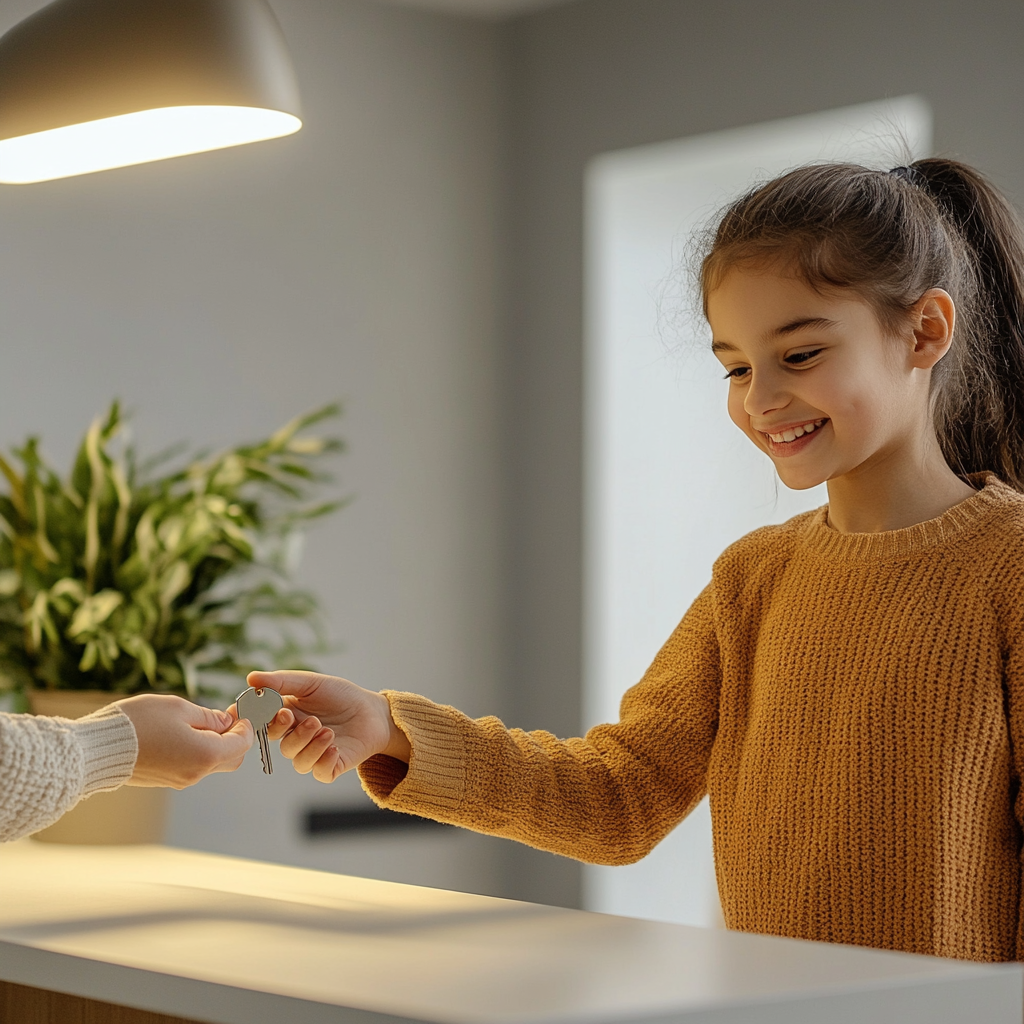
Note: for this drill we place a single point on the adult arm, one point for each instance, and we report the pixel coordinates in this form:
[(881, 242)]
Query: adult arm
[(48, 764)]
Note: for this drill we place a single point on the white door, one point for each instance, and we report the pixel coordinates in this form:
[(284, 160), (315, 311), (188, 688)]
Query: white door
[(670, 482)]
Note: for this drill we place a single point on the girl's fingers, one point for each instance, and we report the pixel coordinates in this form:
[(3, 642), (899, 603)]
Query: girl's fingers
[(307, 743), (298, 684), (328, 765), (308, 756), (281, 723), (293, 742)]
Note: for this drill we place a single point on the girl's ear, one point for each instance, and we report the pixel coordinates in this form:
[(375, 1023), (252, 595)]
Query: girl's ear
[(933, 318)]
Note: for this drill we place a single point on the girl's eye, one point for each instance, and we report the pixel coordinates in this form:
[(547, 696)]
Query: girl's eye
[(737, 373), (801, 357)]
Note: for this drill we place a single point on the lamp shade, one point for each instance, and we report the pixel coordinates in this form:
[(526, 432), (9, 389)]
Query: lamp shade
[(86, 85)]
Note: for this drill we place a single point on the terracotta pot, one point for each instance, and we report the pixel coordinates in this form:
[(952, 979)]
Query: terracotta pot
[(128, 815)]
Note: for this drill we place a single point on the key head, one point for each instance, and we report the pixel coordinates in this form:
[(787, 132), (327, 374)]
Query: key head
[(259, 706)]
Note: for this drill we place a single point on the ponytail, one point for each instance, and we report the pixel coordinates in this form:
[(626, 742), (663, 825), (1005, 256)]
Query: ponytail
[(892, 236), (979, 407)]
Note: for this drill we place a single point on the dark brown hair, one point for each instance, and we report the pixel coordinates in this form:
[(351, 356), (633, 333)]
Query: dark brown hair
[(891, 236)]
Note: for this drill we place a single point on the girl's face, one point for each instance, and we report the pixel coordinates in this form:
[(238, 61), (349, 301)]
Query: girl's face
[(814, 379)]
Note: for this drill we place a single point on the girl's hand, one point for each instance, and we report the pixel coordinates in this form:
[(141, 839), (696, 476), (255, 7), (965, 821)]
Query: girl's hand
[(181, 742), (329, 725)]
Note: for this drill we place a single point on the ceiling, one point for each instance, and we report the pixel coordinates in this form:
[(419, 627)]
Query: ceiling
[(479, 8)]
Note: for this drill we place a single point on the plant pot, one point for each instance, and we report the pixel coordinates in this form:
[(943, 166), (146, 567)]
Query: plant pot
[(126, 816)]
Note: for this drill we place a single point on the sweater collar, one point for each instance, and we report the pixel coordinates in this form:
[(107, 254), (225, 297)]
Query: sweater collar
[(955, 523)]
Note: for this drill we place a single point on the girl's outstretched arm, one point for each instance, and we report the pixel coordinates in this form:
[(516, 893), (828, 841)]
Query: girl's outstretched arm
[(608, 797)]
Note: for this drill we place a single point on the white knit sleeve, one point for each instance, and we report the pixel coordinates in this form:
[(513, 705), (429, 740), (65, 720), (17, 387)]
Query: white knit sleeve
[(48, 764)]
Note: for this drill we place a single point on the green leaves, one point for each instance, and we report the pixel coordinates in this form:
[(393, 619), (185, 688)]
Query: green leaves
[(124, 579)]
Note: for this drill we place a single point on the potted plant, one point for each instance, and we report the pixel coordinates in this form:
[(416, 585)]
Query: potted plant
[(127, 577)]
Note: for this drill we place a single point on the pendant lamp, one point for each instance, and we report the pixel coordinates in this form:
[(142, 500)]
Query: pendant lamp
[(86, 85)]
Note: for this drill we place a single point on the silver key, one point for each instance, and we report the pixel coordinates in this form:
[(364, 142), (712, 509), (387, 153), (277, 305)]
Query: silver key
[(260, 706)]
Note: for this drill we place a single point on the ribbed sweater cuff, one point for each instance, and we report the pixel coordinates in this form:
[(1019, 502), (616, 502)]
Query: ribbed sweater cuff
[(109, 748), (434, 782)]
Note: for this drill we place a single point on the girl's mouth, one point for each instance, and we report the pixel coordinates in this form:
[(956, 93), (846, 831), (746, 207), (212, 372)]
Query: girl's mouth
[(792, 439)]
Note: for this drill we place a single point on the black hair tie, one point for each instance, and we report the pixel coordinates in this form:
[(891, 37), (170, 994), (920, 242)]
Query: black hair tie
[(912, 176)]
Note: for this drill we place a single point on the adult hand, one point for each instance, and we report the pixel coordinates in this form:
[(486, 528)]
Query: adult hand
[(181, 742), (329, 725)]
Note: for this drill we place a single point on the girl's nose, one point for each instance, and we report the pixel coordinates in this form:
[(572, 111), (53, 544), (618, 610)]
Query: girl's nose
[(765, 394)]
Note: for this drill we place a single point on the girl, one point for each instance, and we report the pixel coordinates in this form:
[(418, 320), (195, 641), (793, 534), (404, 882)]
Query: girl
[(848, 688)]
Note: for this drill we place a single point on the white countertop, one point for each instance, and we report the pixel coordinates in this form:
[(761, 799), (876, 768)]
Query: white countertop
[(239, 942)]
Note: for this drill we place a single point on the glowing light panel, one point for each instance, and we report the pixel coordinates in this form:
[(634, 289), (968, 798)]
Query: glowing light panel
[(136, 138)]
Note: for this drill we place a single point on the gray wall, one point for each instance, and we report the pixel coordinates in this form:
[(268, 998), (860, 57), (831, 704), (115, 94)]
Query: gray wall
[(599, 75), (218, 295)]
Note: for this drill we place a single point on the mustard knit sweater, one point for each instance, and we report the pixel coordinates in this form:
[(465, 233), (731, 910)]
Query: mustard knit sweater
[(854, 706)]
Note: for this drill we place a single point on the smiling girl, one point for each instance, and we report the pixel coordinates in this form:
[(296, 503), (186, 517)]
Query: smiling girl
[(848, 687)]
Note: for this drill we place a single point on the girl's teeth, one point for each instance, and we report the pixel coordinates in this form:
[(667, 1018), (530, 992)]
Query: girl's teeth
[(795, 432)]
